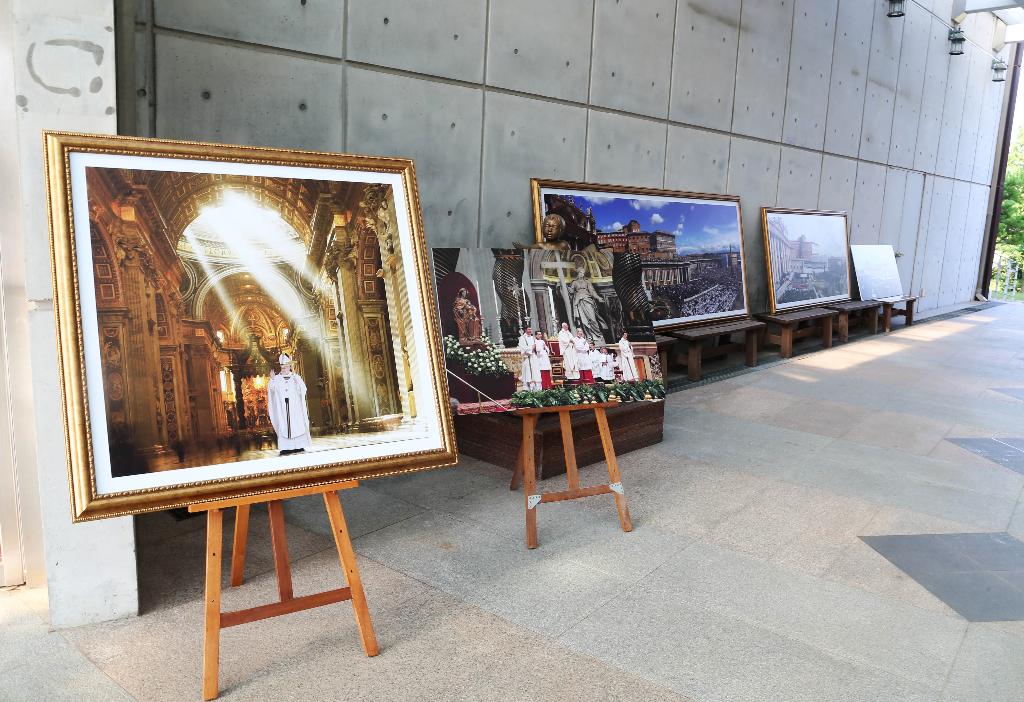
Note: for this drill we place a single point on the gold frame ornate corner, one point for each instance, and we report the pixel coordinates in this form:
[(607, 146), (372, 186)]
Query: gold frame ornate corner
[(86, 503)]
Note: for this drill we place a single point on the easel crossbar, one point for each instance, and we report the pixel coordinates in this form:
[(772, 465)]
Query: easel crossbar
[(574, 494), (275, 609)]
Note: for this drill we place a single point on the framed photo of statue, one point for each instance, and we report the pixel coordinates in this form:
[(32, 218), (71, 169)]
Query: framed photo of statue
[(236, 320), (807, 254), (611, 258)]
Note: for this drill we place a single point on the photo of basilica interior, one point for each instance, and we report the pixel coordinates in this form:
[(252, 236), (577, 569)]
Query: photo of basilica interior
[(203, 280)]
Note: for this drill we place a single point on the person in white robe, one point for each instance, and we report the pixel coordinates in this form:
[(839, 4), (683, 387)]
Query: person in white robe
[(286, 404), (607, 365), (583, 357), (626, 361), (595, 362), (570, 363), (530, 373), (543, 360)]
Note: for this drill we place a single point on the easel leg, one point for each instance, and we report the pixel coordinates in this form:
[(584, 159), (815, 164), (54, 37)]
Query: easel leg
[(569, 448), (211, 632), (613, 468), (529, 480), (347, 555), (279, 544), (239, 545)]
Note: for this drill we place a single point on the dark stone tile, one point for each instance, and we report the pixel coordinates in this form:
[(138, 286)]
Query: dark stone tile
[(1001, 451), (1012, 392), (977, 597), (922, 554), (980, 576), (990, 551)]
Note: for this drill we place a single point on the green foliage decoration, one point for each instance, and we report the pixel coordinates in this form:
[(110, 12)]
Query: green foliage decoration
[(564, 395)]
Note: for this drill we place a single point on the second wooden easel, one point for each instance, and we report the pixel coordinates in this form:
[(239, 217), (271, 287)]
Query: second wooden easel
[(217, 620), (526, 468)]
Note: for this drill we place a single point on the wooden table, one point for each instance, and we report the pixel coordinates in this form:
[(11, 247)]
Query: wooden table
[(889, 310), (818, 320), (869, 308), (697, 351), (526, 469)]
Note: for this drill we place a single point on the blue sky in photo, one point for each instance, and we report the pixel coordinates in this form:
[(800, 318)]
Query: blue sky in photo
[(700, 227)]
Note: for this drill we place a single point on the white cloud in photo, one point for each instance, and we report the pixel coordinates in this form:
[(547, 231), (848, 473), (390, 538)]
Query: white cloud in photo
[(648, 204), (616, 226), (712, 230), (599, 199), (657, 218)]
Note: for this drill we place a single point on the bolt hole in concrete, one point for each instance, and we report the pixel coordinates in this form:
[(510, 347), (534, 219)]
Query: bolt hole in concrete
[(302, 107), (449, 213), (141, 92), (384, 117), (206, 94), (455, 37), (387, 21), (515, 51)]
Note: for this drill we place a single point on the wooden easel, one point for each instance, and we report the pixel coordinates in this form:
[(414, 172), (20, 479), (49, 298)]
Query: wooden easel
[(527, 470), (217, 620)]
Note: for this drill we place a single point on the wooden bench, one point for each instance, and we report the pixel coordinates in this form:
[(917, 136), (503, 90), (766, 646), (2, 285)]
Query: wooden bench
[(889, 310), (818, 319), (869, 308), (697, 351)]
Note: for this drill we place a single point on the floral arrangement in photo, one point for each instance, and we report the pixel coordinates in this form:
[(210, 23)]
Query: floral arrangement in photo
[(482, 359), (586, 394)]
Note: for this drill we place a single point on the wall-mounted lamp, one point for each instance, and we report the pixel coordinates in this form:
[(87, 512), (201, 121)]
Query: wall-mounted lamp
[(895, 8), (956, 42), (998, 71)]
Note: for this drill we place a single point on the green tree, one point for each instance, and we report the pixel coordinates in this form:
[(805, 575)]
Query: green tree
[(1010, 239)]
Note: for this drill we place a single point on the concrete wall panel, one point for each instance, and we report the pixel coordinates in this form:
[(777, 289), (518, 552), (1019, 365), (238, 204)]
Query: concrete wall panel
[(314, 27), (934, 239), (625, 150), (838, 181), (975, 234), (849, 75), (867, 203), (761, 68), (753, 175), (892, 207), (880, 96), (810, 69), (953, 113), (219, 92), (920, 238), (524, 139), (980, 74), (933, 97), (437, 125), (907, 245), (704, 62), (439, 38), (696, 160), (799, 178), (988, 131), (635, 81), (541, 47), (910, 86), (955, 238)]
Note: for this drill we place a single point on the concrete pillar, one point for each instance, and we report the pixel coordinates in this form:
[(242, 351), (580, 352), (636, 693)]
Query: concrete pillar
[(60, 54)]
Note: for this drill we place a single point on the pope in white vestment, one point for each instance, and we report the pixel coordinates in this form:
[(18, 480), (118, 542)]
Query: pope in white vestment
[(286, 404), (626, 361), (530, 374), (583, 357), (570, 363)]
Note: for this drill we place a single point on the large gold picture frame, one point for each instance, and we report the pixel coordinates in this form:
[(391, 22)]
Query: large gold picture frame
[(136, 224), (734, 257), (835, 250)]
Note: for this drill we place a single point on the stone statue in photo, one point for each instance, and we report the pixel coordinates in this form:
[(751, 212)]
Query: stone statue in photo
[(467, 319)]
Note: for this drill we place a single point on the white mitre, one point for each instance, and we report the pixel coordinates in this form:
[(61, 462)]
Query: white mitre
[(284, 359)]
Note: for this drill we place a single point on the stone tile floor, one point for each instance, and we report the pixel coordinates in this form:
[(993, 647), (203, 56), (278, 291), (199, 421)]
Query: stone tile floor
[(749, 575)]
